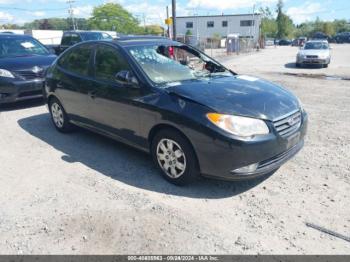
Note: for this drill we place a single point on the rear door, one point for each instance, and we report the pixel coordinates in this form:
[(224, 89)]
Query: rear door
[(75, 81), (115, 106)]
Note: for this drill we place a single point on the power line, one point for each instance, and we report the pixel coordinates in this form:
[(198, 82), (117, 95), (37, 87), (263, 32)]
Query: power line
[(71, 12), (32, 10)]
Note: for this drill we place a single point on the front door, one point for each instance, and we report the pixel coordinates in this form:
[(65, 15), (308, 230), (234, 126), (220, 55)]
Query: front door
[(115, 105)]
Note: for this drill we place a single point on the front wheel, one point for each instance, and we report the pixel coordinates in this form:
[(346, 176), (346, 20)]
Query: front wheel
[(174, 156)]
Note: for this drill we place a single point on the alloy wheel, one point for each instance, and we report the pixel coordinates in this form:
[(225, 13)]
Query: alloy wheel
[(57, 115), (171, 158)]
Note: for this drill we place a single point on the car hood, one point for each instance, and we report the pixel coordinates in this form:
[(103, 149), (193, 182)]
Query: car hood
[(314, 52), (26, 62), (239, 95)]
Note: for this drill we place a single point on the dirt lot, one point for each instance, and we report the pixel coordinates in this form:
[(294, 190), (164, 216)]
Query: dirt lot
[(82, 193)]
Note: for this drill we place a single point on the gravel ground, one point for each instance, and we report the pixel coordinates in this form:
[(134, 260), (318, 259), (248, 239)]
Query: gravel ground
[(85, 194)]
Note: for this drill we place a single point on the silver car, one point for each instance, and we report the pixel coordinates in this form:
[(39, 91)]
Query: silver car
[(314, 52)]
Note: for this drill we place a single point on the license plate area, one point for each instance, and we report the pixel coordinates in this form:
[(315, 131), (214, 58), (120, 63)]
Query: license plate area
[(293, 140)]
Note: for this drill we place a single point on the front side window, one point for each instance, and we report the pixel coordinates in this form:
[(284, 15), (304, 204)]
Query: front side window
[(77, 60), (164, 64), (12, 47), (109, 62), (210, 24)]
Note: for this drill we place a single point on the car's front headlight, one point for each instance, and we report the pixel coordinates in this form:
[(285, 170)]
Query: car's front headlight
[(6, 73), (323, 56), (238, 125)]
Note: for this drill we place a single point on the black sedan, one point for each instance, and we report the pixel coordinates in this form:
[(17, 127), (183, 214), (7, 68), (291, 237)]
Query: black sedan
[(191, 113), (23, 61)]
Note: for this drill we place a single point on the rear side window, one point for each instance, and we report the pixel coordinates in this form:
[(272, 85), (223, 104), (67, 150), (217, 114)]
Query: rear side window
[(108, 63), (77, 60)]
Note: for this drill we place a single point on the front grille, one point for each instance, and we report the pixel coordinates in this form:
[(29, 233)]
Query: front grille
[(312, 56), (288, 125), (29, 75)]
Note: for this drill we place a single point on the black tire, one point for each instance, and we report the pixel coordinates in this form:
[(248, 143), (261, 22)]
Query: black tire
[(66, 126), (191, 170), (297, 65), (325, 66)]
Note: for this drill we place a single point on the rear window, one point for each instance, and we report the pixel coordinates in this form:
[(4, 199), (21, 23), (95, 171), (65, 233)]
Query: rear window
[(15, 47), (95, 36)]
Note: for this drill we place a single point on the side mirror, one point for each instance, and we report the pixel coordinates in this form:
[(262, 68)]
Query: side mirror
[(126, 78)]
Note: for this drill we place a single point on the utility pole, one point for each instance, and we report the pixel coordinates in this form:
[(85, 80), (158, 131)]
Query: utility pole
[(71, 12), (174, 18), (167, 17)]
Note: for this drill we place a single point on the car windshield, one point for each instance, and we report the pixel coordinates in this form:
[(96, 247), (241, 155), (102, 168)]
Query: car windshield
[(95, 36), (13, 47), (165, 64), (316, 45)]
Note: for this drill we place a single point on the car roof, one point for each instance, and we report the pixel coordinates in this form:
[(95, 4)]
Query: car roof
[(144, 40), (136, 41), (83, 32)]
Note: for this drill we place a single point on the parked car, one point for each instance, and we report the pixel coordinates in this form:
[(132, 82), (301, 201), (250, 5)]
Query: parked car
[(284, 42), (299, 41), (314, 52), (342, 38), (71, 38), (191, 113), (269, 42), (23, 61), (320, 36)]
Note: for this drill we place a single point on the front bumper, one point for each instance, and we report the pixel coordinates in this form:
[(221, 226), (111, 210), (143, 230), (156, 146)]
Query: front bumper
[(313, 61), (18, 90), (220, 157)]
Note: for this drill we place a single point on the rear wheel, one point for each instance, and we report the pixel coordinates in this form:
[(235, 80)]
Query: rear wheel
[(59, 116), (298, 65), (174, 156)]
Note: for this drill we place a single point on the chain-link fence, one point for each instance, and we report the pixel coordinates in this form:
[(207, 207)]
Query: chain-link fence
[(220, 47)]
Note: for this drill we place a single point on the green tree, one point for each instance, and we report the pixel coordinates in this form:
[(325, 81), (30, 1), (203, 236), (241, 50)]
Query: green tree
[(189, 33), (328, 28), (112, 16), (154, 30), (285, 26), (268, 23), (341, 26), (45, 25)]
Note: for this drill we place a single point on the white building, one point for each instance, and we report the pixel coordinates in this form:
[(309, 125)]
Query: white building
[(245, 25)]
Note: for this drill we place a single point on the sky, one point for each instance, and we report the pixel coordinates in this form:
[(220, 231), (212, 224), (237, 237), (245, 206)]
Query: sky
[(153, 11)]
